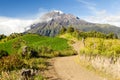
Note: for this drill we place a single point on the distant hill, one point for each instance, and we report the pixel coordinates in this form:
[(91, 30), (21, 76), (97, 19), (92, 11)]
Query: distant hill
[(51, 23)]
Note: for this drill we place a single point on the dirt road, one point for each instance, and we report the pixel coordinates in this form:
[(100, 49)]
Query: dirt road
[(67, 68)]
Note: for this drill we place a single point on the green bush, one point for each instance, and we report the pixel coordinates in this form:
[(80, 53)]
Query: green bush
[(3, 53), (14, 35), (26, 52), (63, 30), (2, 36), (46, 52), (67, 53), (70, 29)]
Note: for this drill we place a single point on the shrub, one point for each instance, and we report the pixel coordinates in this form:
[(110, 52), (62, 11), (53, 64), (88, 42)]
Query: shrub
[(2, 36), (46, 52), (11, 62), (35, 63), (63, 30), (14, 35), (3, 53), (67, 53), (15, 75), (70, 29), (27, 52)]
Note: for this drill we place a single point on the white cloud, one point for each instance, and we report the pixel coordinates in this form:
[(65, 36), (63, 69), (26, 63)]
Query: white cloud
[(10, 25), (100, 16), (108, 19), (104, 18), (86, 3)]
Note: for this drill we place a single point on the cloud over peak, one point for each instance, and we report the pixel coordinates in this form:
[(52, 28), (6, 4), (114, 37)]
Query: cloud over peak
[(10, 25)]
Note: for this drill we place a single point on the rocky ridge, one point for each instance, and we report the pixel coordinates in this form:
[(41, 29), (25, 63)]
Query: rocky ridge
[(51, 23)]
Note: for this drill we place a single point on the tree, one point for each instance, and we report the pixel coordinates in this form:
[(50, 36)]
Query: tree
[(70, 29), (14, 35), (110, 35), (115, 36), (2, 36), (63, 30)]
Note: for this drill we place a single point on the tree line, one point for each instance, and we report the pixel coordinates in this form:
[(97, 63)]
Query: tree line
[(95, 34), (11, 36)]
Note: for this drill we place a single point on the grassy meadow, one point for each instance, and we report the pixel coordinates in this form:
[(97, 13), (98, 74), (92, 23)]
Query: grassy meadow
[(103, 47), (36, 42), (42, 49)]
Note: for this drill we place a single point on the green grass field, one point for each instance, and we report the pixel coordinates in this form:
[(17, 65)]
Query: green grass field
[(46, 48), (36, 41)]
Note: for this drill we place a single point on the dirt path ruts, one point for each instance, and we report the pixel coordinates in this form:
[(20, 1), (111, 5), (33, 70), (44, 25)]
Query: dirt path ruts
[(68, 69)]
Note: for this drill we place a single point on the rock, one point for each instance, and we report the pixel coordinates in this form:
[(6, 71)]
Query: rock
[(28, 74)]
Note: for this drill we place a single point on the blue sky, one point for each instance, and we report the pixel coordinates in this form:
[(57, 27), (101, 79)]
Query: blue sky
[(17, 12), (23, 8)]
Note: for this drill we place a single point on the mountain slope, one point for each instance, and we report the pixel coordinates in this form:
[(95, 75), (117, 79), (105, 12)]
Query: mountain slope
[(50, 24)]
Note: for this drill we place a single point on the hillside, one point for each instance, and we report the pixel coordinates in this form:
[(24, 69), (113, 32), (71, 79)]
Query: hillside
[(44, 54), (52, 22), (30, 54), (34, 41)]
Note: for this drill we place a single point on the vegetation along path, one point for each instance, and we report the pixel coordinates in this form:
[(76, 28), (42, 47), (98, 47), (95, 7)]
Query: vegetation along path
[(68, 68)]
